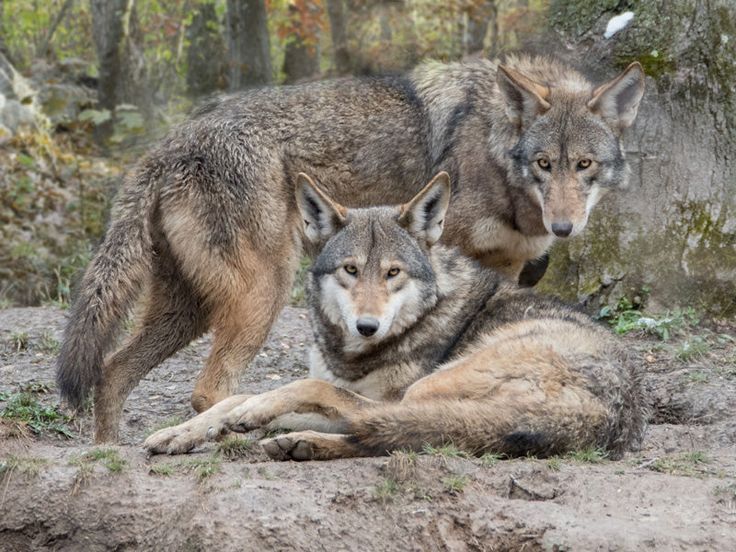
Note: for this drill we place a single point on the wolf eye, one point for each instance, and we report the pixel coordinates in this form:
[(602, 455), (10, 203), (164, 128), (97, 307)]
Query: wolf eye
[(351, 269), (584, 164), (543, 164), (393, 272)]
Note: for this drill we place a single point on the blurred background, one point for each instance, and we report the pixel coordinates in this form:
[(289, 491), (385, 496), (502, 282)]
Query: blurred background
[(86, 84)]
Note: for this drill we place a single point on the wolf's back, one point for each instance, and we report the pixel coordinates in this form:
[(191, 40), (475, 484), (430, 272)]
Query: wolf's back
[(109, 286)]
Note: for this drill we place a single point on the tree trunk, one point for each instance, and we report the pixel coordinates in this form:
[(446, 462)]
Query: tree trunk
[(44, 46), (205, 53), (672, 234), (301, 59), (483, 15), (121, 66), (248, 44), (338, 31)]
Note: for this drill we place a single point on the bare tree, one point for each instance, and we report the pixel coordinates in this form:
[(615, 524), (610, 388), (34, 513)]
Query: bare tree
[(249, 52), (338, 31), (3, 46), (121, 66), (43, 47), (483, 15), (205, 53), (301, 58)]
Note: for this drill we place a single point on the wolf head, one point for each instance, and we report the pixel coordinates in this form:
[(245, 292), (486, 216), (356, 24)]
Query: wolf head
[(569, 150), (373, 278)]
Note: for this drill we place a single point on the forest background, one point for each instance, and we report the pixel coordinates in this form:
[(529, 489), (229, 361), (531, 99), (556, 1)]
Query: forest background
[(86, 85)]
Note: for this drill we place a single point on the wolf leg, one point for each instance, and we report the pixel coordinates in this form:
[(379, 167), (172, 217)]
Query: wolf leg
[(319, 405), (172, 319), (205, 426), (245, 307)]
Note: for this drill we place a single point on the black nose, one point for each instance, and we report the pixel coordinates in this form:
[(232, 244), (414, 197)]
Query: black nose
[(561, 229), (367, 326)]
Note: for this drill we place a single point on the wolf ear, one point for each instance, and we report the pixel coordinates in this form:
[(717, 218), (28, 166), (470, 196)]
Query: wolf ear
[(322, 216), (617, 101), (525, 99), (424, 215)]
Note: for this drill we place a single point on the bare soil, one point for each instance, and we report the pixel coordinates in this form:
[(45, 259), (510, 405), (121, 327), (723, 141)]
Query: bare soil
[(63, 493)]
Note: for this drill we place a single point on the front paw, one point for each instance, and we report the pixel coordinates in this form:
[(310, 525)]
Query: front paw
[(291, 446), (252, 414), (180, 439)]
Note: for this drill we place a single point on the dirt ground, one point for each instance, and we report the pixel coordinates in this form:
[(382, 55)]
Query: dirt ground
[(62, 493)]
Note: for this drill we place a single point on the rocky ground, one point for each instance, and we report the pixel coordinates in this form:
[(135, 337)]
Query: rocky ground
[(59, 491)]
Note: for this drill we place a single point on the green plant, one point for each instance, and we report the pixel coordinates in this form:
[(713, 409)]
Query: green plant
[(233, 447), (624, 318), (19, 341), (48, 344), (203, 467), (23, 465), (24, 408), (455, 483), (589, 455), (447, 451), (163, 469), (697, 377), (692, 348), (490, 459), (110, 458), (554, 463), (688, 463), (386, 490)]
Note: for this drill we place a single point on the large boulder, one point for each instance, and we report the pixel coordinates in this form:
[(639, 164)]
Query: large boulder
[(671, 237)]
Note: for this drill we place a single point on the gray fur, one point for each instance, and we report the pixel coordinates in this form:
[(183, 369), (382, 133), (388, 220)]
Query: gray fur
[(217, 195)]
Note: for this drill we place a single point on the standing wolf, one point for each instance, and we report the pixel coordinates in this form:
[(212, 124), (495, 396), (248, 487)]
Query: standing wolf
[(417, 344), (206, 227)]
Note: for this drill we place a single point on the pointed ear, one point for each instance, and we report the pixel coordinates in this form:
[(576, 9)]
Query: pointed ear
[(525, 98), (322, 216), (424, 216), (617, 101)]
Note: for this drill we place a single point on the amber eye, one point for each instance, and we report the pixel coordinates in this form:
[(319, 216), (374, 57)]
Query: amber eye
[(393, 272), (543, 163), (584, 164), (351, 269)]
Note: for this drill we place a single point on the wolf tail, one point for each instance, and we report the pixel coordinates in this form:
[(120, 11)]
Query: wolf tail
[(537, 429), (108, 288)]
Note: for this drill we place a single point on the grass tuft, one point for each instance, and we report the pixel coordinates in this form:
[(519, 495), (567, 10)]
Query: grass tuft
[(589, 456), (232, 447), (110, 458), (386, 490), (455, 484), (447, 451), (48, 344), (22, 465), (490, 459), (164, 469), (203, 468)]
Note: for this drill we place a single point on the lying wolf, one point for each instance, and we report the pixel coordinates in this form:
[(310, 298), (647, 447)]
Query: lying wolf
[(418, 345), (206, 228)]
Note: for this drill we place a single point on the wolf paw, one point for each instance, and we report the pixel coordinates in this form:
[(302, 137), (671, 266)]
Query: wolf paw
[(180, 439), (252, 414), (291, 446)]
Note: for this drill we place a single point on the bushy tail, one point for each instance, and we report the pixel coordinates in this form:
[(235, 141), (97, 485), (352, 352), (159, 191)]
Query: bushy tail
[(478, 426), (108, 288)]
